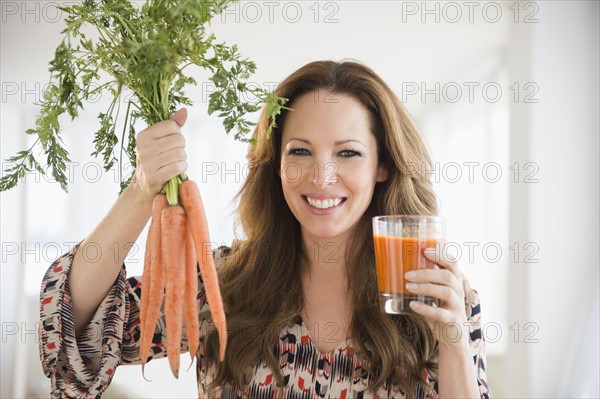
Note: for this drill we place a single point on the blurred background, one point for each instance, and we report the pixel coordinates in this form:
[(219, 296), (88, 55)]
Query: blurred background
[(506, 94)]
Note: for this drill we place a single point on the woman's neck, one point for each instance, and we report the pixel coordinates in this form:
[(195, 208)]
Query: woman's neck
[(327, 303), (324, 256)]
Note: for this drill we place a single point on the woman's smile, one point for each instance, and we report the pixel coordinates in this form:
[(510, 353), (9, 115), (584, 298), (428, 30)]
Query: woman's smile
[(323, 204)]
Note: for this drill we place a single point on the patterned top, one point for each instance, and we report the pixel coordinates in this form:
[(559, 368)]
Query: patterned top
[(84, 367)]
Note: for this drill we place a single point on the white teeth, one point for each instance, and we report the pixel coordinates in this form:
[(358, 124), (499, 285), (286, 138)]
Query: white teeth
[(324, 204)]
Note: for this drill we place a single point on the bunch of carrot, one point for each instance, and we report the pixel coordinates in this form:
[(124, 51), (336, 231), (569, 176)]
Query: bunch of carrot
[(177, 242)]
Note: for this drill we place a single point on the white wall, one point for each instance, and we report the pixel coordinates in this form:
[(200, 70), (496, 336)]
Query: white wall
[(564, 204), (558, 296)]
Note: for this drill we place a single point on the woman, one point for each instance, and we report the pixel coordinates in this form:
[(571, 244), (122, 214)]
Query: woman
[(300, 289)]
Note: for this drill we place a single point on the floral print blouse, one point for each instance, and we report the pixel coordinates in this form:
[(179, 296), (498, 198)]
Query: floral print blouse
[(84, 366)]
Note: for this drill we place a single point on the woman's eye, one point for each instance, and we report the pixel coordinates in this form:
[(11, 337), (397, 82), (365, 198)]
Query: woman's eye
[(350, 153), (298, 151)]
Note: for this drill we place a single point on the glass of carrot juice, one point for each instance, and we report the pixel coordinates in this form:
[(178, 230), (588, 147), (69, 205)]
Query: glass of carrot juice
[(399, 242)]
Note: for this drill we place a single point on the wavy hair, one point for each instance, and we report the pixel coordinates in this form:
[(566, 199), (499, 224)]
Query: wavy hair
[(261, 297)]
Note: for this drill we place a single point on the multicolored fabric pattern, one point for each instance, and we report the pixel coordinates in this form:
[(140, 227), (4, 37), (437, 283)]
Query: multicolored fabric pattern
[(84, 367)]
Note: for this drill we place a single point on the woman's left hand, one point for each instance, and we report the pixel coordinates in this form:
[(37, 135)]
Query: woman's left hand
[(449, 319)]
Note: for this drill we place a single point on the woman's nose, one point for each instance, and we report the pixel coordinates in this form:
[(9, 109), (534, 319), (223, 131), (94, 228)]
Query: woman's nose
[(324, 173)]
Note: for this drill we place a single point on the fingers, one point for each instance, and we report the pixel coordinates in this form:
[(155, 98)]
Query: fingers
[(161, 153), (168, 143), (158, 130), (171, 170), (432, 313), (180, 117), (166, 127), (444, 283), (447, 294), (158, 138), (169, 156), (437, 276), (160, 168), (443, 260)]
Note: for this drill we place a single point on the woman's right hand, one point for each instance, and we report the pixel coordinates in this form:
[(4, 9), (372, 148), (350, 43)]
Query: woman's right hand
[(160, 154)]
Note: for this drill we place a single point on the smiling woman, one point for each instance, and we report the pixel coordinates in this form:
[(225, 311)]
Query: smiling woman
[(348, 140), (300, 289), (328, 140)]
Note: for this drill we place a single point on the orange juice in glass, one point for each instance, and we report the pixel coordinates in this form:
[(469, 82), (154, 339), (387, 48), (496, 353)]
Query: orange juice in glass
[(399, 242)]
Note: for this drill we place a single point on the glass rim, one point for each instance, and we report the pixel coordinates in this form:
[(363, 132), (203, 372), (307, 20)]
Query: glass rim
[(432, 218)]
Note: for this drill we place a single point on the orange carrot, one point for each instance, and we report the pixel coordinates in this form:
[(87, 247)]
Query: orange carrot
[(173, 233), (190, 306), (194, 208), (156, 286), (146, 280)]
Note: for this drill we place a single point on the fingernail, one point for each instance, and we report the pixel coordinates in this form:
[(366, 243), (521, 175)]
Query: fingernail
[(410, 275), (414, 304), (411, 286), (430, 251)]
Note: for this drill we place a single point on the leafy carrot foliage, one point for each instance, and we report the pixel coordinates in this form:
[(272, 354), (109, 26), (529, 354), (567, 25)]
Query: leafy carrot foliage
[(143, 48)]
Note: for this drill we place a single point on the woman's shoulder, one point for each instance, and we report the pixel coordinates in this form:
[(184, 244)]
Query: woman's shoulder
[(472, 301)]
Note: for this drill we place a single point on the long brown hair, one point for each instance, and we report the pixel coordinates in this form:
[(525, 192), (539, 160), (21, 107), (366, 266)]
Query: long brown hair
[(261, 279)]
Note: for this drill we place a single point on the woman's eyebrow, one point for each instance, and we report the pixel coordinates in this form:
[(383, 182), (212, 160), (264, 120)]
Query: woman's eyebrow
[(339, 142), (296, 138)]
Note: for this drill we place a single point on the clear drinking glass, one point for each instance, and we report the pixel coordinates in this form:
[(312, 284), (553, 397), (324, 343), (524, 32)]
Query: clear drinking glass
[(399, 244)]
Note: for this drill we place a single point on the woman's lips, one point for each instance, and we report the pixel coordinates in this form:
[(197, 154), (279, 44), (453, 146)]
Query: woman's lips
[(325, 205)]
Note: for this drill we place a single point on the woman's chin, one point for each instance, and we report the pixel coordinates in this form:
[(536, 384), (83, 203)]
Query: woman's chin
[(332, 234)]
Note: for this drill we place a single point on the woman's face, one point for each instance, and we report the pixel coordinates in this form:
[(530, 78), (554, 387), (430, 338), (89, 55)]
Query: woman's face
[(329, 163)]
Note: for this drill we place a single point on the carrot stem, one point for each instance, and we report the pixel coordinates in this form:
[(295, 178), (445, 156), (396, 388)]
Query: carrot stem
[(171, 188)]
